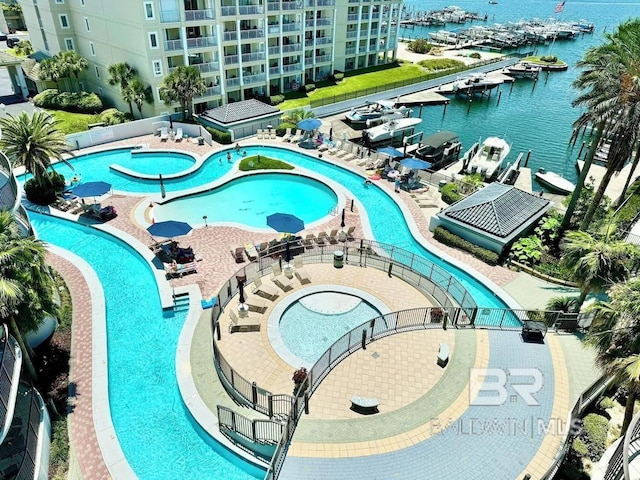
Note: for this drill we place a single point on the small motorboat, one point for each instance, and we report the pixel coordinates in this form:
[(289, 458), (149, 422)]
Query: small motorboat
[(440, 149), (372, 111), (493, 2), (475, 83), (489, 157), (555, 182), (390, 130)]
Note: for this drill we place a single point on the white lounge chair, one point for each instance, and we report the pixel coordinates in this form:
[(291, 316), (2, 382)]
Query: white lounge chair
[(335, 149), (248, 323), (259, 133), (301, 272), (272, 134), (164, 134), (180, 269), (297, 137), (178, 136), (279, 278), (287, 135), (264, 289), (255, 303)]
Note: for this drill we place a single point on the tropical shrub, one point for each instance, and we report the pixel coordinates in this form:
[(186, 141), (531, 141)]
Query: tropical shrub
[(594, 435), (420, 45), (549, 58), (113, 116), (582, 206), (527, 250), (548, 229), (606, 402), (219, 136), (450, 193), (443, 235), (281, 129), (309, 87), (337, 76), (23, 48), (438, 64), (45, 194), (275, 99), (475, 55), (81, 102)]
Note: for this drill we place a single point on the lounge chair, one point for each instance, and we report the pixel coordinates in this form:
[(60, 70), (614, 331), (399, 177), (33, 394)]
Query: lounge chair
[(341, 153), (239, 255), (263, 289), (259, 133), (272, 134), (296, 137), (263, 248), (349, 233), (301, 272), (250, 250), (179, 135), (164, 134), (255, 303), (287, 135), (279, 278), (322, 238), (248, 323), (349, 156), (333, 237), (179, 269), (309, 240), (335, 149)]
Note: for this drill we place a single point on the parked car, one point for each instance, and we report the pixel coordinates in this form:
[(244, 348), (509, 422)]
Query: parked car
[(12, 42)]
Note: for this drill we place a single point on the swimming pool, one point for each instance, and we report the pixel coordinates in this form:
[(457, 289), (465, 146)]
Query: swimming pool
[(158, 435), (250, 199), (310, 325)]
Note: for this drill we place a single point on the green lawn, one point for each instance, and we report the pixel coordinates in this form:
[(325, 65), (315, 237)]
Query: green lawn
[(73, 122), (354, 83)]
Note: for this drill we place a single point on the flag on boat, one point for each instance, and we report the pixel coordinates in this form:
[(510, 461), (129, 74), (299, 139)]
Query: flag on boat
[(559, 7)]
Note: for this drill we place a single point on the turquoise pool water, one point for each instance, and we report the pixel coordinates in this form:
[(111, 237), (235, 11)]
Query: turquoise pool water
[(249, 200), (164, 163), (157, 434), (308, 334)]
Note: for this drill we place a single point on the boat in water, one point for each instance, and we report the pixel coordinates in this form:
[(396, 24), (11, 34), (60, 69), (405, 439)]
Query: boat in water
[(390, 130), (555, 182), (475, 83), (372, 111), (488, 159), (523, 70), (440, 149)]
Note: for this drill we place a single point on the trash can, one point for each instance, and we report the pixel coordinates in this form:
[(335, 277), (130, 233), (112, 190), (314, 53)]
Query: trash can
[(441, 184), (338, 259), (200, 141)]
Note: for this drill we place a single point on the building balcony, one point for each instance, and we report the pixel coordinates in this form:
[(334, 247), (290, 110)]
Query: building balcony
[(169, 16), (352, 34), (251, 9), (10, 363), (275, 50), (324, 40), (292, 27), (198, 15), (202, 67), (233, 82), (350, 51), (296, 67), (211, 92), (253, 79), (292, 47), (324, 21), (273, 6), (353, 17), (253, 57), (201, 42), (230, 36), (229, 11), (253, 33), (274, 71), (298, 5), (231, 59), (322, 58), (273, 29), (171, 45)]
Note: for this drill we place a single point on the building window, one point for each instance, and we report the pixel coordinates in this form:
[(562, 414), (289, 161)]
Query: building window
[(68, 42), (59, 1), (92, 48), (64, 21), (97, 72), (153, 40), (157, 68), (86, 24), (148, 10)]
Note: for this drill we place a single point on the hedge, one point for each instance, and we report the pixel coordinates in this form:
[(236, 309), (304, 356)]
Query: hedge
[(594, 435), (337, 76), (450, 193), (443, 235), (309, 87), (219, 136), (281, 129), (113, 116), (81, 102)]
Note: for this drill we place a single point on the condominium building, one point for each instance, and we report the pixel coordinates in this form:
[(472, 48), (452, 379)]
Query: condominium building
[(243, 48)]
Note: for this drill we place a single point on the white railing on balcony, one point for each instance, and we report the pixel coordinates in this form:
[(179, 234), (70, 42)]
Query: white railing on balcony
[(274, 70), (325, 3), (201, 42), (258, 78), (211, 92), (309, 23), (350, 51), (253, 57), (292, 47), (323, 58), (203, 67), (352, 17), (291, 27), (233, 82), (251, 9), (352, 34), (292, 68), (170, 45), (292, 5), (274, 50), (230, 36), (323, 40), (273, 29), (273, 6), (195, 15), (324, 21), (169, 16), (231, 59), (228, 11), (254, 33)]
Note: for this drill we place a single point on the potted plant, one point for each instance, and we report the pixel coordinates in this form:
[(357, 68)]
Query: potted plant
[(299, 379), (436, 315)]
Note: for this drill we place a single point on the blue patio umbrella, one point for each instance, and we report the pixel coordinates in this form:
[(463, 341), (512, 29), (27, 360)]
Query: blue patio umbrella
[(285, 223), (309, 124), (415, 164), (91, 189), (169, 229), (392, 152)]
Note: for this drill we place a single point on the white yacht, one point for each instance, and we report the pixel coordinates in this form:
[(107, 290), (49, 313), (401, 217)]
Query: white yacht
[(555, 182), (395, 128), (488, 159), (372, 111)]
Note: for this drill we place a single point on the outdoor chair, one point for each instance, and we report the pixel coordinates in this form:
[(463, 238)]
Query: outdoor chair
[(322, 238), (333, 237), (279, 278), (272, 134), (239, 255), (248, 323), (287, 135), (164, 134), (263, 289), (296, 137), (301, 272), (250, 250), (309, 240), (259, 133), (179, 135), (349, 233), (255, 303), (174, 269)]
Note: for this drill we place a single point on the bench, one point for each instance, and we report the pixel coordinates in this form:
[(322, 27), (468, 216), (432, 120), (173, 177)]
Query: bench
[(364, 405), (443, 354)]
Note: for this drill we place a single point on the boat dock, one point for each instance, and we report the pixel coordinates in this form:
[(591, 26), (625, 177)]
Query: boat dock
[(425, 97), (616, 184)]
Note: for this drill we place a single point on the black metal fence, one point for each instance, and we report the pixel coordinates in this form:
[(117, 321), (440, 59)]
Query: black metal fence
[(7, 365)]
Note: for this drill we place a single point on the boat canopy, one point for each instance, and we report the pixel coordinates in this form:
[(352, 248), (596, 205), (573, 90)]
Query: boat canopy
[(440, 138)]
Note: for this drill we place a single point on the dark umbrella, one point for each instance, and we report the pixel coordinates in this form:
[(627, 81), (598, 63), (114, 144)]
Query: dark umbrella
[(241, 281), (170, 122), (287, 253), (91, 189), (415, 164), (309, 124), (342, 223), (392, 152), (285, 223), (331, 134), (169, 229)]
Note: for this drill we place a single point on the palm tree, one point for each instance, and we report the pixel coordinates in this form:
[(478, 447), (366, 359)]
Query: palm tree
[(121, 74), (33, 142), (50, 70), (182, 85), (596, 265), (611, 95), (137, 92), (564, 304), (26, 284), (294, 116), (72, 64)]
